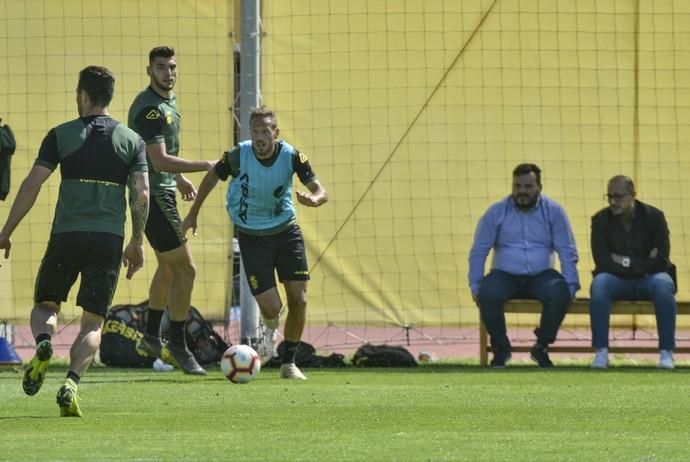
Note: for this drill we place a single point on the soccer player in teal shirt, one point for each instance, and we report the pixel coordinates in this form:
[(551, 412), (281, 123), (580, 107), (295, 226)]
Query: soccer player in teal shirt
[(259, 202)]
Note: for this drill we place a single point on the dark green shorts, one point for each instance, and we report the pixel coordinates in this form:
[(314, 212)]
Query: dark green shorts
[(263, 256), (164, 226), (95, 256)]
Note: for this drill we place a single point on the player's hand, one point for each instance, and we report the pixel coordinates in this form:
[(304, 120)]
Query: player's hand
[(307, 199), (186, 188), (5, 243), (189, 222), (133, 257)]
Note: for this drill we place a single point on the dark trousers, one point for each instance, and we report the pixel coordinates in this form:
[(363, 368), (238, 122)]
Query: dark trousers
[(549, 287)]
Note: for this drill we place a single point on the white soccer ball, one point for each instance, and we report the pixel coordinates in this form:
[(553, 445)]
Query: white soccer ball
[(240, 363)]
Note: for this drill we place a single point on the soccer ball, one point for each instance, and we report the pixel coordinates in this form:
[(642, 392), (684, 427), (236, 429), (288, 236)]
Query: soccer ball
[(240, 363)]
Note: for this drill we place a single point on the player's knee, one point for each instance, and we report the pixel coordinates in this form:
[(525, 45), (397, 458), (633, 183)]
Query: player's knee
[(47, 306), (298, 302), (184, 274)]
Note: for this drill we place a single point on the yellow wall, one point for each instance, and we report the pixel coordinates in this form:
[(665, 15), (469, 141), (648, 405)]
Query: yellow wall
[(413, 114), (43, 45)]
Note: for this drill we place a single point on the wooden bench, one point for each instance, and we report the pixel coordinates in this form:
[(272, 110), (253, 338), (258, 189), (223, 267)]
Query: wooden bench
[(580, 306)]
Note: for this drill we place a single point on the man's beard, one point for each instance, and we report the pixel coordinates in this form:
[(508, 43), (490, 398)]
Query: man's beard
[(522, 205)]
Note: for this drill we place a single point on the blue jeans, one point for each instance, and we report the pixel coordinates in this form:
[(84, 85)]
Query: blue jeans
[(607, 288), (549, 287)]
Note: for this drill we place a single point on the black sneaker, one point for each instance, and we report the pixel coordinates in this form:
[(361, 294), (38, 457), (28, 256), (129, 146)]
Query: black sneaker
[(501, 357), (540, 355), (184, 359), (149, 345)]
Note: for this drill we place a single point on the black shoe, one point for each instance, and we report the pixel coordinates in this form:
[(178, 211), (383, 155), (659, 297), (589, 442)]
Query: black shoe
[(184, 359), (540, 355), (149, 345), (501, 357)]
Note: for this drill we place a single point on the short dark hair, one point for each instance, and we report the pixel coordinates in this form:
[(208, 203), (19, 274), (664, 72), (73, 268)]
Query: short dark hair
[(526, 169), (263, 112), (161, 52), (99, 83)]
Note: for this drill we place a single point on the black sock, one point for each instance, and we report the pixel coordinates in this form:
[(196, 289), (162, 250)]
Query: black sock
[(289, 353), (177, 333), (153, 324), (42, 337), (74, 376)]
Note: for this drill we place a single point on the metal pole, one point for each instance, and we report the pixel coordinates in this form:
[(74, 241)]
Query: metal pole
[(250, 60)]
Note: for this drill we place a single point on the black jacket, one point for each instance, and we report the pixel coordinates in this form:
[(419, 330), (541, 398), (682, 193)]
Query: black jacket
[(7, 147), (649, 231)]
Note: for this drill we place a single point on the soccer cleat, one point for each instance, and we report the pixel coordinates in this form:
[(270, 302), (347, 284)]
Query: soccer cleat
[(501, 358), (35, 372), (665, 359), (184, 359), (266, 345), (540, 355), (601, 359), (148, 345), (68, 400), (291, 371), (271, 324)]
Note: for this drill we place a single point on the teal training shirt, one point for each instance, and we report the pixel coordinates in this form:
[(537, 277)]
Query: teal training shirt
[(259, 197)]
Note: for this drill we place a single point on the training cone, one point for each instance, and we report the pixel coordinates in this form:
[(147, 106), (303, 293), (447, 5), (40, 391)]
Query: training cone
[(7, 354)]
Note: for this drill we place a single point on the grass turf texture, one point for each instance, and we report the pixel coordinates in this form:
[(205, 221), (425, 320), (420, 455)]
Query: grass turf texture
[(434, 412)]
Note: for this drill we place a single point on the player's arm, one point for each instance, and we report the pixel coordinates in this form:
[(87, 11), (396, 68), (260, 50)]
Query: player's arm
[(25, 199), (207, 184), (227, 166), (46, 162), (317, 197), (186, 187), (150, 124), (318, 194), (163, 162), (139, 203), (133, 255)]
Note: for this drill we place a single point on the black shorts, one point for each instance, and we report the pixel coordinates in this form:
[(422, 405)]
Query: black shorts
[(96, 256), (164, 226), (283, 253)]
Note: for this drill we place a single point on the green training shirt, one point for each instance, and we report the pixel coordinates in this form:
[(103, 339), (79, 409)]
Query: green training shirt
[(157, 120), (96, 155)]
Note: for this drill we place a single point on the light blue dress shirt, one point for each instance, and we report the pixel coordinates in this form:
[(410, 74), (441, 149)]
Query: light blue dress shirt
[(524, 242)]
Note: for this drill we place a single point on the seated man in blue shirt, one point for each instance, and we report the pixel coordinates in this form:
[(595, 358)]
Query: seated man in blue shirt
[(524, 230), (630, 246)]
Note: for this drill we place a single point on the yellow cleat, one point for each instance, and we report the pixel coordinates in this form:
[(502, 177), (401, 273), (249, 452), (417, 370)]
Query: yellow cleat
[(68, 400), (35, 372)]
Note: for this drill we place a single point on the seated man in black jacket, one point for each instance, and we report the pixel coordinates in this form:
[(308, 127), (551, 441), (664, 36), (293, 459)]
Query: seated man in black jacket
[(630, 247)]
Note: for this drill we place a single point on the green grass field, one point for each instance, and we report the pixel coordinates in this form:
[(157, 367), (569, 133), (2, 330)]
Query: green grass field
[(434, 412)]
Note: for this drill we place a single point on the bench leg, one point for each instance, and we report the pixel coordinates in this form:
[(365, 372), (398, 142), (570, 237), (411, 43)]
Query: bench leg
[(483, 349)]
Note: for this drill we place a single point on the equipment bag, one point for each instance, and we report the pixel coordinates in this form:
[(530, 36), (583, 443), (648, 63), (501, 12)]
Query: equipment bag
[(369, 355), (306, 357), (126, 324), (202, 340)]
